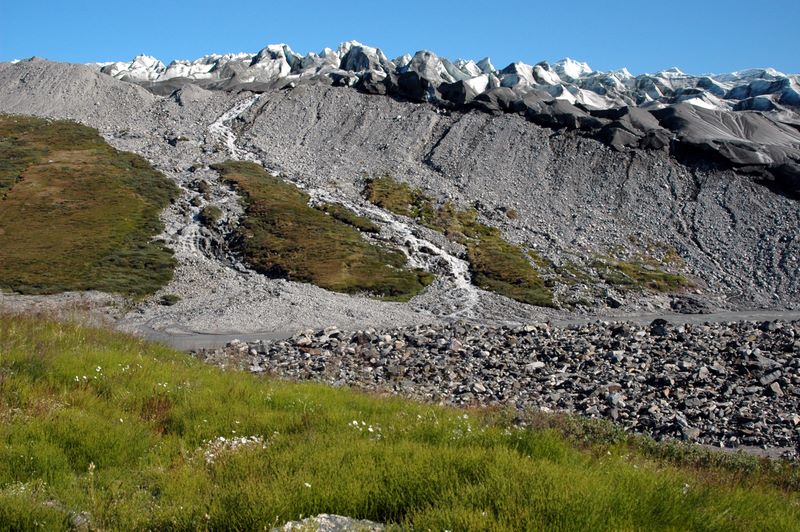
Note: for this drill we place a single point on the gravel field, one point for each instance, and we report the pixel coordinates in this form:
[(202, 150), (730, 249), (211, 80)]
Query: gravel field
[(727, 385)]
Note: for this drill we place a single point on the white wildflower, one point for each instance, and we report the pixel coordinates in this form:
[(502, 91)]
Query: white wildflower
[(221, 444)]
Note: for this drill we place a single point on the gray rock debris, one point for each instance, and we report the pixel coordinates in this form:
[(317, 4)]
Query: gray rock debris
[(726, 385), (574, 197), (743, 119)]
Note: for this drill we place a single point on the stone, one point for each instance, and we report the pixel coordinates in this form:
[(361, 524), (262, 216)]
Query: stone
[(691, 433), (615, 399), (776, 390), (395, 370), (330, 523), (658, 327), (80, 520), (769, 378), (533, 366), (477, 387)]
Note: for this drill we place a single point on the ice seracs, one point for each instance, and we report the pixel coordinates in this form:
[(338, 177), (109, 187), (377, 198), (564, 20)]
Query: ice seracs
[(468, 67), (430, 67), (671, 73), (517, 74), (544, 75), (141, 68), (271, 63), (403, 60), (571, 70), (427, 76), (356, 57), (201, 68)]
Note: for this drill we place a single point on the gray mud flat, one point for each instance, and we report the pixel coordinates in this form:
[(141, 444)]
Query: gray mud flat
[(193, 341)]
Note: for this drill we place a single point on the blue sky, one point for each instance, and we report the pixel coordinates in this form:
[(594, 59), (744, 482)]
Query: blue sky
[(698, 36)]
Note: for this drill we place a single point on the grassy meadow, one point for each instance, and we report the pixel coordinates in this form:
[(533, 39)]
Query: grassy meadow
[(101, 428), (76, 214)]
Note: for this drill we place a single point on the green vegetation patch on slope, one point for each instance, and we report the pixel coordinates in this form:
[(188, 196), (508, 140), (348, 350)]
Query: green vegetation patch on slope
[(502, 268), (282, 236), (343, 214), (76, 214), (210, 215), (496, 264), (639, 273), (129, 433)]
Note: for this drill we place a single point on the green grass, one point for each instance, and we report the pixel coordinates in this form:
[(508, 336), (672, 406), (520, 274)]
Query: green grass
[(639, 273), (397, 197), (501, 267), (76, 214), (495, 264), (99, 422), (343, 214), (282, 236)]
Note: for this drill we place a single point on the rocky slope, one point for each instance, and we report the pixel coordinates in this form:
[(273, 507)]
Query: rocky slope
[(70, 91), (570, 194), (573, 198), (746, 120)]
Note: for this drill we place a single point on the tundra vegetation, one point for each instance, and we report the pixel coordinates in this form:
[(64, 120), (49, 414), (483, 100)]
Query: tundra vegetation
[(282, 236), (104, 428), (496, 264), (343, 214), (507, 269), (77, 214)]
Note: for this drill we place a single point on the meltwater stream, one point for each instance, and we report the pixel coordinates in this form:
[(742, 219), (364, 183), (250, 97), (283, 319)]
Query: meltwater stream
[(421, 253)]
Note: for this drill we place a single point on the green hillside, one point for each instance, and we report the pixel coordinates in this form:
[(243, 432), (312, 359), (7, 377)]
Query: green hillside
[(282, 236), (77, 214)]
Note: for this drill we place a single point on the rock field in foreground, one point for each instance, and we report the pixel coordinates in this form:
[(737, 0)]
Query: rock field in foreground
[(727, 384)]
